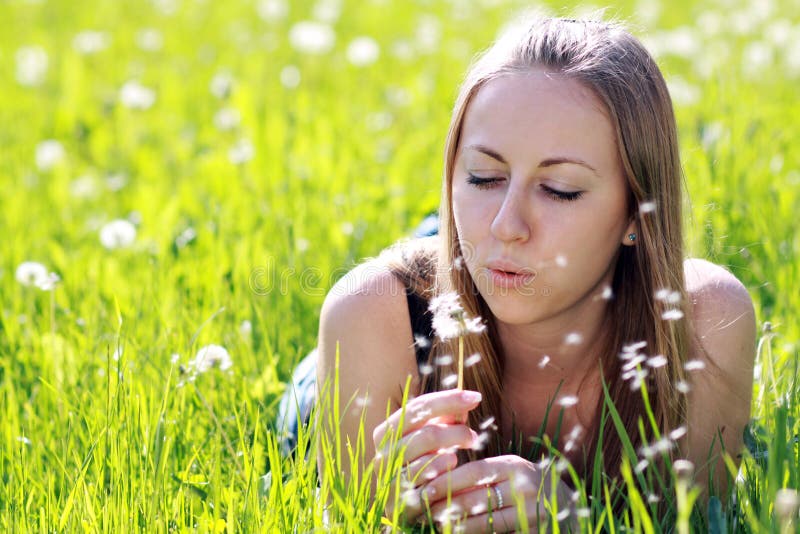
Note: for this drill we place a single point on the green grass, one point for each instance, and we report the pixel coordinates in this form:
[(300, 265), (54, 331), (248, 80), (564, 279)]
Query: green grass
[(343, 164)]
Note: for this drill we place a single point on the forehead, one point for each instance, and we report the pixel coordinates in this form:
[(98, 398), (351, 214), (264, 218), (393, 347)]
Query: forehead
[(540, 110)]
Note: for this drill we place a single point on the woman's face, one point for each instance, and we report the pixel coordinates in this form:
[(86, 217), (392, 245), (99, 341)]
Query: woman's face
[(538, 188)]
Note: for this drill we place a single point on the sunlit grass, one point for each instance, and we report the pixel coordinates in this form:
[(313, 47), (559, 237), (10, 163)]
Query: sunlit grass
[(253, 175)]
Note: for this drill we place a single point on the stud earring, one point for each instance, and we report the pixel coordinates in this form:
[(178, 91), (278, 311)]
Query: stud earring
[(631, 237)]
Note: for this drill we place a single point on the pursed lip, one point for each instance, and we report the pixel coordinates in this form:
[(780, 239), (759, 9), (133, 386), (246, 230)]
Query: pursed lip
[(508, 267)]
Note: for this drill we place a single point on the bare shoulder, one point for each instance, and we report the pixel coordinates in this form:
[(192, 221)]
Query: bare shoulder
[(365, 318), (722, 314)]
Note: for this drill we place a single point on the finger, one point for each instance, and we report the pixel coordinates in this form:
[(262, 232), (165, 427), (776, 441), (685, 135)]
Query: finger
[(476, 501), (429, 466), (504, 520), (420, 410), (431, 439), (487, 472)]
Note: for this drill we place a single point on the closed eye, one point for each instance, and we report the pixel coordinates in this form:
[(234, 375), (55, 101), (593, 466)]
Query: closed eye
[(561, 196), (482, 183)]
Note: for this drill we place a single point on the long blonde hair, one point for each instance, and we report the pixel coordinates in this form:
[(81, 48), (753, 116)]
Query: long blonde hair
[(613, 64)]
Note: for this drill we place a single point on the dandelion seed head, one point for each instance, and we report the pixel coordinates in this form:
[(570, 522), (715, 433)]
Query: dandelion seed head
[(421, 341), (573, 338), (119, 233), (632, 363), (472, 360), (31, 273), (694, 365), (449, 514), (363, 51), (561, 465), (450, 380), (49, 153), (684, 469), (480, 442), (411, 497), (221, 85), (134, 95)]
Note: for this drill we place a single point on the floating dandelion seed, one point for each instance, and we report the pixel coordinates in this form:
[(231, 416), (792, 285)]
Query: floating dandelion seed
[(449, 514), (425, 369), (647, 207), (450, 381), (634, 347), (149, 40), (480, 442), (411, 497), (246, 327), (49, 153), (544, 361), (607, 293), (672, 315), (487, 480), (561, 261), (488, 422), (562, 514), (668, 296), (479, 508), (347, 228), (583, 513), (573, 338), (652, 498), (241, 152), (633, 362), (134, 95), (272, 10), (24, 440), (694, 365), (174, 358), (119, 233), (443, 360), (678, 433), (472, 360), (641, 466), (49, 283), (227, 119), (31, 273), (656, 361), (211, 356), (32, 64), (561, 465), (682, 386), (568, 400), (458, 263), (363, 51), (90, 42), (221, 85)]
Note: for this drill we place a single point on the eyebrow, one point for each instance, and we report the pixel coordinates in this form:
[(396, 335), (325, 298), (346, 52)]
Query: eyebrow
[(549, 162)]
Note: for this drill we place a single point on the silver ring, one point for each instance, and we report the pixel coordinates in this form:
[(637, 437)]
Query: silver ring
[(499, 497)]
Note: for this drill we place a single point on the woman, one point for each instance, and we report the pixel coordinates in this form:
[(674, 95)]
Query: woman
[(561, 229)]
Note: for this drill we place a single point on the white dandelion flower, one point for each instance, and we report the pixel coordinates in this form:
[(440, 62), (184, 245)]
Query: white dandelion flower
[(272, 10), (149, 40), (31, 273), (134, 95), (450, 320), (221, 85), (568, 400), (49, 283), (241, 152), (119, 233), (694, 365), (90, 42), (211, 356), (363, 51), (290, 76), (311, 37), (32, 62), (573, 338), (672, 315), (472, 360), (49, 153), (227, 119)]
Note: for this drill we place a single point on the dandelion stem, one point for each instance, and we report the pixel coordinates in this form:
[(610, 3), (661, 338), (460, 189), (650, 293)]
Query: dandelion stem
[(460, 362)]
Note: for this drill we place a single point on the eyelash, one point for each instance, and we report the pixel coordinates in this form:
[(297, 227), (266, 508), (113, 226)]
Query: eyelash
[(561, 196)]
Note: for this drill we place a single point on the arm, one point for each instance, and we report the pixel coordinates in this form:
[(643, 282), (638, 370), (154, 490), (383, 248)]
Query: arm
[(719, 400)]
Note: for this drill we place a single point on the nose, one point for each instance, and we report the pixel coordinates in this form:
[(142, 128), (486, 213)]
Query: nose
[(509, 223)]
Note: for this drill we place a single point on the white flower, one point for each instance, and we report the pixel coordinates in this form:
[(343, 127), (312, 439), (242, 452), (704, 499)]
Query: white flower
[(90, 42), (290, 76), (272, 10), (312, 37), (149, 39), (134, 95), (227, 119), (49, 283), (48, 154), (119, 233), (31, 65), (221, 84), (210, 356), (450, 320), (241, 152), (31, 273), (363, 51)]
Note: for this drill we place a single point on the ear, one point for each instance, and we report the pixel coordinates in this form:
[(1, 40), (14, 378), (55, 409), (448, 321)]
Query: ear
[(632, 230)]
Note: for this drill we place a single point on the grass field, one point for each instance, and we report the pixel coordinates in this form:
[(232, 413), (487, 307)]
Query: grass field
[(199, 173)]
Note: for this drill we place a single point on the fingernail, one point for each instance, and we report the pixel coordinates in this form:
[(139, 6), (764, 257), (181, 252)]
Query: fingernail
[(471, 396)]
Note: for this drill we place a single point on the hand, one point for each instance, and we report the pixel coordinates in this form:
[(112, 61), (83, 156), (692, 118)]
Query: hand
[(432, 430), (483, 494)]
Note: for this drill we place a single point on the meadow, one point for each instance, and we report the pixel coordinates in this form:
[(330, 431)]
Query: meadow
[(191, 177)]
